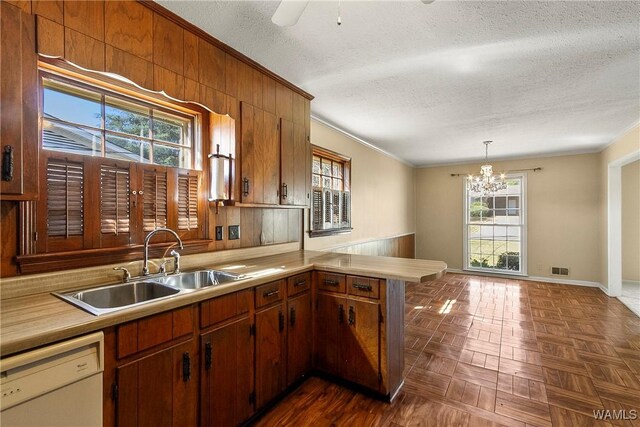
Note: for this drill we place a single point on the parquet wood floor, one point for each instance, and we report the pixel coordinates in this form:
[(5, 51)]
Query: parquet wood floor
[(509, 352)]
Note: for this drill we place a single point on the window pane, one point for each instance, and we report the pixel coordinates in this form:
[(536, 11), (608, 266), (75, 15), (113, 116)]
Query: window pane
[(171, 128), (71, 104), (71, 139), (326, 182), (131, 149), (168, 156), (125, 117), (315, 180), (337, 184), (316, 164), (514, 186), (326, 167), (337, 170)]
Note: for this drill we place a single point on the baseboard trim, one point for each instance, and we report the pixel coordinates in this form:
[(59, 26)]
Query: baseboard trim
[(631, 282), (585, 283)]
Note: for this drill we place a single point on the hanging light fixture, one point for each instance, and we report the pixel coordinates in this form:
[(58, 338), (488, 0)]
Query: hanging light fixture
[(486, 183)]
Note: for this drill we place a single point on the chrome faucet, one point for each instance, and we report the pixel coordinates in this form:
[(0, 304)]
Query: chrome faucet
[(145, 263)]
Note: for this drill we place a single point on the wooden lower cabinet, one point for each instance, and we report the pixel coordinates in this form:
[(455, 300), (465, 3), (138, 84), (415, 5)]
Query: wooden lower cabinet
[(271, 347), (226, 391), (347, 339), (359, 343), (299, 337), (160, 389)]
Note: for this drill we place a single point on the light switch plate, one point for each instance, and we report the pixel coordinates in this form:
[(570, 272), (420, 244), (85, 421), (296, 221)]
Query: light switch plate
[(219, 231), (234, 232)]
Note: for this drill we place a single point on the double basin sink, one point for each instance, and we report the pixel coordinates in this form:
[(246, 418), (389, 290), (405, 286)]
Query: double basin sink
[(107, 299)]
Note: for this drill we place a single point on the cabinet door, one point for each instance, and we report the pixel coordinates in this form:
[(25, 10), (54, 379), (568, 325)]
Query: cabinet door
[(247, 154), (360, 343), (270, 353), (271, 159), (299, 337), (300, 160), (227, 375), (160, 389), (287, 187), (329, 323), (19, 105)]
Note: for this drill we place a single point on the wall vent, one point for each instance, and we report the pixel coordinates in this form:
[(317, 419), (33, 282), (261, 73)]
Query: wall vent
[(559, 271)]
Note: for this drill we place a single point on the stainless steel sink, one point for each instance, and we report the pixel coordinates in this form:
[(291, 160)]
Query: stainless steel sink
[(198, 279), (107, 299)]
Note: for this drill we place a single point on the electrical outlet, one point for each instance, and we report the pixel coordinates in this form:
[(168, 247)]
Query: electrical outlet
[(219, 229), (234, 232)]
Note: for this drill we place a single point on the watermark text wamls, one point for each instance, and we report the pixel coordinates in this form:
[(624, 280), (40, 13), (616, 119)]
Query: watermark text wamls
[(613, 414)]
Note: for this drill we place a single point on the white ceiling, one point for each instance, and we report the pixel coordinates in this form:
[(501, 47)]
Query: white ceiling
[(428, 83)]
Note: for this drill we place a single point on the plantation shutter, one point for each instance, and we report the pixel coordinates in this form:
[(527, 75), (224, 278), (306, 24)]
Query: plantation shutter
[(65, 198), (154, 200), (316, 210), (327, 199), (335, 209), (115, 214), (187, 202), (345, 210)]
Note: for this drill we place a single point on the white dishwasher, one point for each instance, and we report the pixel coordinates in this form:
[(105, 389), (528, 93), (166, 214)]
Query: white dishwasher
[(57, 385)]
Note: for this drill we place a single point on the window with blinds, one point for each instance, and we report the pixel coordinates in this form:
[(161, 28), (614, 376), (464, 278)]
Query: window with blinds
[(154, 200), (187, 202), (65, 198), (115, 213), (331, 193)]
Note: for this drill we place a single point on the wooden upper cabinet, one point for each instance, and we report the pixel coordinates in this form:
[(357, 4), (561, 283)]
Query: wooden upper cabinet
[(270, 158), (129, 27), (247, 154), (18, 105), (293, 163)]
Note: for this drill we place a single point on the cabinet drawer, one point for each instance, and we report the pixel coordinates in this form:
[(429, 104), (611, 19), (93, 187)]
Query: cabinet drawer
[(331, 282), (269, 293), (363, 287), (298, 284), (154, 330), (225, 307)]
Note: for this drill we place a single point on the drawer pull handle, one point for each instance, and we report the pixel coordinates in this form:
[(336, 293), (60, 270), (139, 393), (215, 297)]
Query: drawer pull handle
[(352, 315), (208, 355), (186, 367), (271, 293), (245, 186), (300, 283), (7, 163), (331, 282), (362, 287)]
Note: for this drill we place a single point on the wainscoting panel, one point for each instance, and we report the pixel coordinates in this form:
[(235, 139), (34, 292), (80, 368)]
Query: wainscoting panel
[(399, 246)]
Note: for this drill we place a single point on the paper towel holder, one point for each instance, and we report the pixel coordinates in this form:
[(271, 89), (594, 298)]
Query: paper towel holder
[(220, 168)]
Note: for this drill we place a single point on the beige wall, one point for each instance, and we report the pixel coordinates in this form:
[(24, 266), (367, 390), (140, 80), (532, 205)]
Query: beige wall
[(627, 144), (631, 221), (563, 214), (382, 188)]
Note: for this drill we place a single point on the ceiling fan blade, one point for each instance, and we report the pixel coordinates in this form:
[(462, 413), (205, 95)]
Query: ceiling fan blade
[(288, 12)]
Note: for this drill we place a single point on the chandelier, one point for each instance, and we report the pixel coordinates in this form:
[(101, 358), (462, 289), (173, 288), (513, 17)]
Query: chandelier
[(486, 183)]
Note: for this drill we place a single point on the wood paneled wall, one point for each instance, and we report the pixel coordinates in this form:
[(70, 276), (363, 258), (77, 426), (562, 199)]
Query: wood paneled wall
[(399, 247), (158, 50)]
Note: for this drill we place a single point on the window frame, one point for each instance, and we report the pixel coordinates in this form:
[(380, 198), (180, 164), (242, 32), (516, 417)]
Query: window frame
[(104, 91), (345, 161), (523, 230)]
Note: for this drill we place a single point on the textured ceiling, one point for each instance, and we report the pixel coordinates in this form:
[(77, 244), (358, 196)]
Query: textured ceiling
[(428, 83)]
